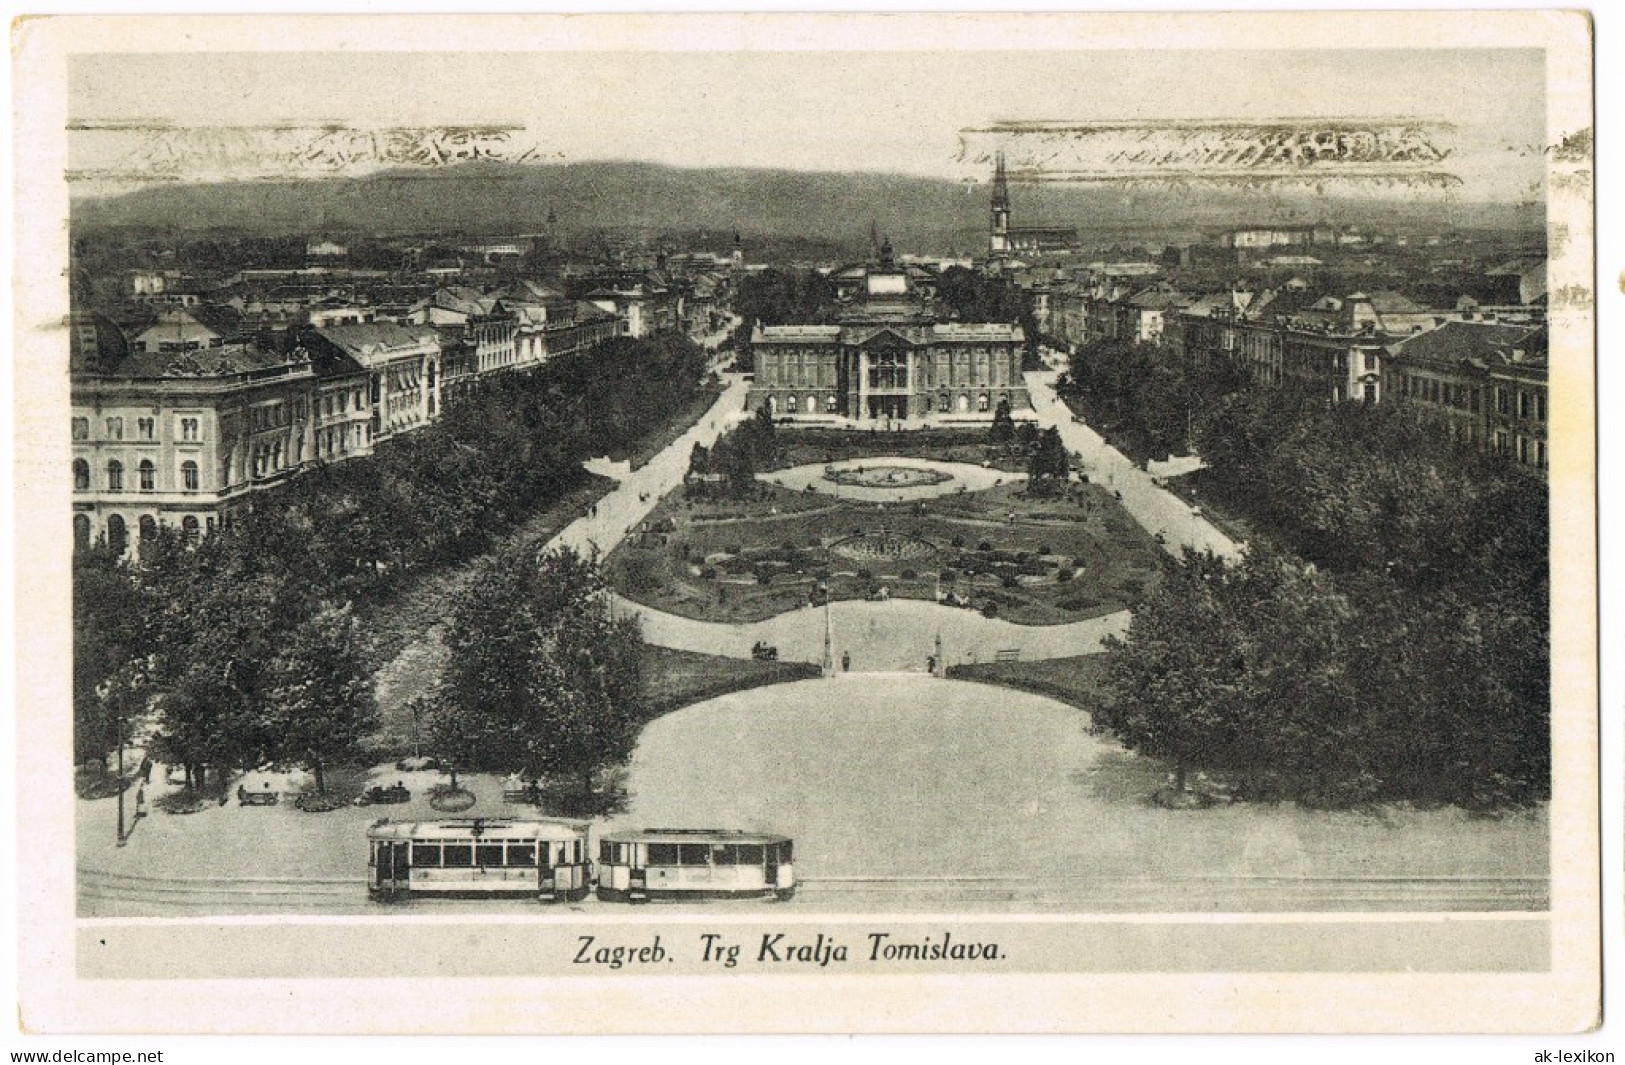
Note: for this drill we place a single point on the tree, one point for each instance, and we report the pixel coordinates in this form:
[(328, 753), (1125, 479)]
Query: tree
[(1004, 427), (320, 705), (542, 677), (1048, 468), (108, 608)]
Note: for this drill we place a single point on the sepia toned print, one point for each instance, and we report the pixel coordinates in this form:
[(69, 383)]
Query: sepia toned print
[(545, 510)]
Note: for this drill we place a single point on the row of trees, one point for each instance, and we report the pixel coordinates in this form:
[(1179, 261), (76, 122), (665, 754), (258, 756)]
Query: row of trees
[(542, 677), (729, 468), (1388, 636), (246, 641), (1289, 684)]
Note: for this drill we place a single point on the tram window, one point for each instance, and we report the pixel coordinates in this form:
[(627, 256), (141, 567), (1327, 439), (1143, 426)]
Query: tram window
[(426, 855), (521, 854), (724, 854), (662, 854), (606, 852), (693, 854), (784, 851), (458, 856), (578, 849), (488, 854), (750, 854)]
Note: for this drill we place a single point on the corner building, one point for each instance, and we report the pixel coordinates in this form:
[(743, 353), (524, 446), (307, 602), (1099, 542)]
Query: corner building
[(888, 359)]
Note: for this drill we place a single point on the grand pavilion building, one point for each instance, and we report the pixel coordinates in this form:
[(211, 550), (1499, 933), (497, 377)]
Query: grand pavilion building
[(890, 358)]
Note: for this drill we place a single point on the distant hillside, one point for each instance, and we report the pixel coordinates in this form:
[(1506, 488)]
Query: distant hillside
[(918, 213)]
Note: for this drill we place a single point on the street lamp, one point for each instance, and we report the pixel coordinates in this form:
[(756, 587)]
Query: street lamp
[(118, 721)]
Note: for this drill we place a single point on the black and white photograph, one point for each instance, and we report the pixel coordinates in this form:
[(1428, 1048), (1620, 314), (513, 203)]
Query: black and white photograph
[(930, 513)]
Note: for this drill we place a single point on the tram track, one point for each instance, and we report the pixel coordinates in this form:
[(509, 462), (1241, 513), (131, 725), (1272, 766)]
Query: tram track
[(105, 893)]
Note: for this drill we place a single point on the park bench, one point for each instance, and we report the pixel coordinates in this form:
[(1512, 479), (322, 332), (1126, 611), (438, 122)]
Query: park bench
[(255, 798), (1009, 654)]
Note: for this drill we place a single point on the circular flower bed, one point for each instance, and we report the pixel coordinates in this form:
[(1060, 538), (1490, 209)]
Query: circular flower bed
[(883, 546), (887, 477)]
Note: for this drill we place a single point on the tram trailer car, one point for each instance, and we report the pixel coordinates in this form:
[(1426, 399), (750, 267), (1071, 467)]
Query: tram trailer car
[(542, 859), (687, 863)]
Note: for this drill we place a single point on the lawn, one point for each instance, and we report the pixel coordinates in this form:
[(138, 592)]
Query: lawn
[(1077, 681), (801, 447), (673, 679), (1030, 560)]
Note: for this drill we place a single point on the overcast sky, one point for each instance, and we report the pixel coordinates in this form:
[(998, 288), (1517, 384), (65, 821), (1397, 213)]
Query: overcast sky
[(875, 111)]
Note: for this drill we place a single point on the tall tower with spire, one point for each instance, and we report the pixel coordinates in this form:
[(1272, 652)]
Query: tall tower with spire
[(998, 238)]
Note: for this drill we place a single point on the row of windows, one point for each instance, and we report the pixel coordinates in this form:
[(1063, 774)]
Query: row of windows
[(1526, 451), (1530, 406), (696, 854), (1445, 393), (488, 855), (118, 535), (339, 402), (186, 429), (146, 476)]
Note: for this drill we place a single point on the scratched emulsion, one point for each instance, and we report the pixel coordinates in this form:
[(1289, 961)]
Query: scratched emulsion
[(112, 156), (1321, 152)]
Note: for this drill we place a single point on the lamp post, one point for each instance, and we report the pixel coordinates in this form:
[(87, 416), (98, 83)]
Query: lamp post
[(119, 724)]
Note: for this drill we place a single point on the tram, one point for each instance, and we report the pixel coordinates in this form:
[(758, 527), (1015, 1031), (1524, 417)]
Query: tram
[(694, 863), (546, 860)]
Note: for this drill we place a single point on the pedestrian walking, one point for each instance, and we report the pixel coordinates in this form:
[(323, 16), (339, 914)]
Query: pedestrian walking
[(846, 661), (140, 802)]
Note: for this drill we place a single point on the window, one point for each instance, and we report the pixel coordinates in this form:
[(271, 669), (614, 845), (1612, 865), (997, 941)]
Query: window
[(425, 855), (662, 854), (523, 854), (115, 475), (118, 537), (1540, 454), (146, 428), (148, 475), (149, 527), (1523, 450), (1526, 409), (829, 404), (1474, 401), (81, 475), (457, 856), (1540, 406), (81, 428), (982, 403), (189, 429), (115, 428), (189, 479), (488, 854), (693, 854), (791, 404), (189, 529), (1503, 443), (81, 531), (749, 854), (1503, 402)]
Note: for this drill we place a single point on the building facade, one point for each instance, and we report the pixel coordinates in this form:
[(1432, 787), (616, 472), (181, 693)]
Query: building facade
[(888, 359)]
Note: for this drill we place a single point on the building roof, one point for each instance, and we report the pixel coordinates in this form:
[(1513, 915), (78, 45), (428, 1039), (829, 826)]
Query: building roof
[(179, 327), (1486, 341), (995, 331), (791, 333), (222, 361), (371, 343)]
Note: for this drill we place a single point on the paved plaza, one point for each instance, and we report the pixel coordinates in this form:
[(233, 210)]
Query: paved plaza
[(902, 793)]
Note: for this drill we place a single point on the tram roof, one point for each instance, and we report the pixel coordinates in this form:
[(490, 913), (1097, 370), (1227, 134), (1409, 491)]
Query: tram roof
[(487, 829), (693, 835)]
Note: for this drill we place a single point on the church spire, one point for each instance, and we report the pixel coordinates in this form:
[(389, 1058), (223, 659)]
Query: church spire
[(998, 236)]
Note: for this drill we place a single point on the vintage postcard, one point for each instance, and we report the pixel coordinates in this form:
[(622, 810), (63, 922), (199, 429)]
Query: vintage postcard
[(818, 523)]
